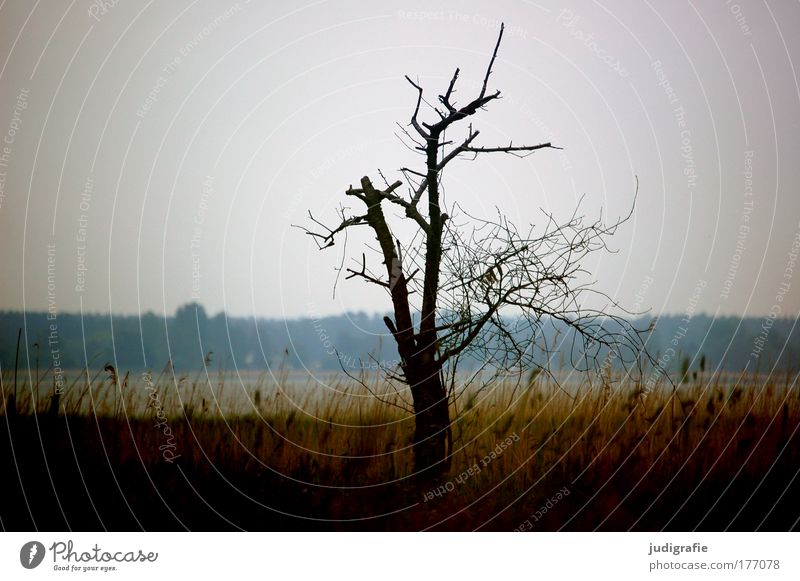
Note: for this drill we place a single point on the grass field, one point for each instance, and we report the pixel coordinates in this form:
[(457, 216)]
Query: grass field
[(216, 451)]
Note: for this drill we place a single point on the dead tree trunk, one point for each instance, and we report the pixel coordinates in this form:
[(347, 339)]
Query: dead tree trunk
[(417, 352), (432, 417)]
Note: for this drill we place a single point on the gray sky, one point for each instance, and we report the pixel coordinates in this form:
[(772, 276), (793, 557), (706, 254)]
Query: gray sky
[(158, 153)]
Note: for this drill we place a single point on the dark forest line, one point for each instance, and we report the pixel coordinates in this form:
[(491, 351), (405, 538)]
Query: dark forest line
[(355, 340)]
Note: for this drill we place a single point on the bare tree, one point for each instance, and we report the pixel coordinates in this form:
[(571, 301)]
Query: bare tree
[(473, 286)]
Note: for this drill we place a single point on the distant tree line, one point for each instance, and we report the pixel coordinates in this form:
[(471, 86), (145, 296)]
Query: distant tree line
[(191, 339)]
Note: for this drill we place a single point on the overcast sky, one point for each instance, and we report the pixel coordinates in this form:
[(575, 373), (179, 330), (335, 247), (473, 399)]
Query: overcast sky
[(158, 153)]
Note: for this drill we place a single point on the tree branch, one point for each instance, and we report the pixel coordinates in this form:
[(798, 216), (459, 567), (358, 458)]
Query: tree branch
[(363, 273), (445, 99), (414, 121), (510, 148), (491, 62), (328, 238), (410, 207)]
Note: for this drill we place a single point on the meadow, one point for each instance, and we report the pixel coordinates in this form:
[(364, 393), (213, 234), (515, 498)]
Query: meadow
[(220, 450)]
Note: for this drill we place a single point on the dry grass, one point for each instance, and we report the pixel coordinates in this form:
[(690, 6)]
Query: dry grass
[(291, 451)]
